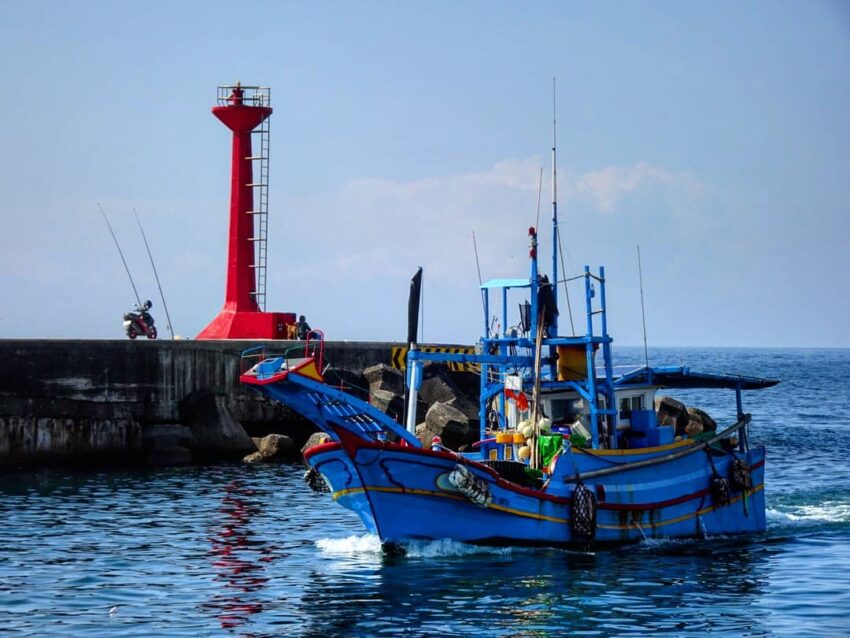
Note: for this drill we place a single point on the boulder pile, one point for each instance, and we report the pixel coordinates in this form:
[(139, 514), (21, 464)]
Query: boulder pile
[(444, 408), (386, 389), (688, 421)]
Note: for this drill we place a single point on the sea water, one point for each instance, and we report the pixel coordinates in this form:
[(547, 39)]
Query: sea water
[(244, 550)]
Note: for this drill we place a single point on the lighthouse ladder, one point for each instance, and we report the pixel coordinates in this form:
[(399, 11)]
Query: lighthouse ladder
[(261, 97)]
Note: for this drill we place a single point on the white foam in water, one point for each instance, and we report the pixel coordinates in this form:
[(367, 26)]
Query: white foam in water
[(365, 544), (448, 547), (371, 544), (826, 512)]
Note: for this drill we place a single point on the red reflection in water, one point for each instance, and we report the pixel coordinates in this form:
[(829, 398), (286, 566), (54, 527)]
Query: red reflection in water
[(239, 559)]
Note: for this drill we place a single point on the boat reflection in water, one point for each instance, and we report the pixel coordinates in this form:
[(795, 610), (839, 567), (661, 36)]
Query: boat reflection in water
[(666, 586), (239, 559)]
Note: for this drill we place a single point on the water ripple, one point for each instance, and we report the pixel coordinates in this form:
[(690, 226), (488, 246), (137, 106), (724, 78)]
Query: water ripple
[(246, 550)]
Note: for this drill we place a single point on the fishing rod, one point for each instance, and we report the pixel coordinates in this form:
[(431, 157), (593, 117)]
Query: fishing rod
[(155, 274), (120, 252)]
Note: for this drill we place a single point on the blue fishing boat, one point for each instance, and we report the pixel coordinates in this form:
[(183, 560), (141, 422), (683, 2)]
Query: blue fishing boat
[(571, 453)]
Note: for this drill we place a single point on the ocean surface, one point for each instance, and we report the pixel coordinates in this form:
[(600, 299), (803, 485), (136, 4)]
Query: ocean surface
[(237, 550)]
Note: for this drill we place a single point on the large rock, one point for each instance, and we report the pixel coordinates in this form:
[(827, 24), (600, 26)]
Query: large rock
[(708, 424), (317, 438), (384, 377), (437, 386), (215, 432), (694, 425), (447, 422), (275, 446), (672, 412), (388, 403), (272, 447)]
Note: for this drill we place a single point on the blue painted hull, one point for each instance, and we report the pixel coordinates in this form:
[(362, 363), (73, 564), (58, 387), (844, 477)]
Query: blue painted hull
[(403, 493)]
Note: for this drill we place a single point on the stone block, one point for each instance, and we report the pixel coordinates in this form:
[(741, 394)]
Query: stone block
[(384, 377), (447, 422), (708, 424), (388, 403)]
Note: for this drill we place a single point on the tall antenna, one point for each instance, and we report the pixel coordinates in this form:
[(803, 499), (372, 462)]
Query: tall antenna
[(480, 282), (153, 265), (556, 231), (555, 235), (539, 195), (642, 310), (120, 252)]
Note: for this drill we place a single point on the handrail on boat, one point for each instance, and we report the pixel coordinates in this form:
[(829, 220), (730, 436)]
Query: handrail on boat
[(256, 354), (247, 358), (742, 421)]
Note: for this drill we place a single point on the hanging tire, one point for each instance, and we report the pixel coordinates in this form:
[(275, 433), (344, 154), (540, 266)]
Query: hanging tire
[(740, 475), (720, 493), (583, 514)]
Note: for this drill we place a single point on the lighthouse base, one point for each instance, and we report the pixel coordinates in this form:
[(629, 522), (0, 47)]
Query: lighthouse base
[(230, 324)]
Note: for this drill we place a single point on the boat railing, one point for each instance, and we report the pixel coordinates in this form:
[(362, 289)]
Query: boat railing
[(316, 337), (740, 424), (257, 354)]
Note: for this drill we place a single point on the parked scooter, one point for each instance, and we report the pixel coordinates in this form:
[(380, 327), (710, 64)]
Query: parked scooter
[(140, 322)]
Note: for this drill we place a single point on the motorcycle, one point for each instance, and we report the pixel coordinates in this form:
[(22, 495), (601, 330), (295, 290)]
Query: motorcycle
[(140, 322)]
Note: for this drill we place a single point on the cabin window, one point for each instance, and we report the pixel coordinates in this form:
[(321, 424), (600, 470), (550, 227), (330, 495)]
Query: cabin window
[(565, 410), (627, 404)]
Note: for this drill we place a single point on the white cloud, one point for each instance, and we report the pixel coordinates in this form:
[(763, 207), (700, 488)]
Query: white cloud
[(608, 186), (365, 241)]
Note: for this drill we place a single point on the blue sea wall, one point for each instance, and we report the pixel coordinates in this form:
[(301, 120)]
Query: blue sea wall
[(160, 402)]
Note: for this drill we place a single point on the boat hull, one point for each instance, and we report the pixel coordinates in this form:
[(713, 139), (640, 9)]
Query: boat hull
[(403, 493)]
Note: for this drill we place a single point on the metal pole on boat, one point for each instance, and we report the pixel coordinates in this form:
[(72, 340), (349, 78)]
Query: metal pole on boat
[(591, 370), (643, 311), (554, 208), (413, 363), (532, 252), (610, 419), (413, 393), (480, 282)]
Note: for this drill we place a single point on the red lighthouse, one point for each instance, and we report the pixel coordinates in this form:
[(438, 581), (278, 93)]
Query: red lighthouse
[(245, 111)]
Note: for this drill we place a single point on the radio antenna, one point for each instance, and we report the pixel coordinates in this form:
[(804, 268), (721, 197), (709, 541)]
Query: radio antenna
[(555, 202), (156, 276), (642, 310), (120, 252), (539, 194), (478, 266)]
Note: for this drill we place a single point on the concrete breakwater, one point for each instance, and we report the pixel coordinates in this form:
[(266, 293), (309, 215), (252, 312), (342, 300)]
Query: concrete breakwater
[(145, 402)]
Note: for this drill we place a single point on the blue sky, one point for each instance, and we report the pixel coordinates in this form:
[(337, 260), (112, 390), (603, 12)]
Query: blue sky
[(715, 135)]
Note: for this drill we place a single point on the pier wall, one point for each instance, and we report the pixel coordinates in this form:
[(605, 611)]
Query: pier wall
[(81, 400)]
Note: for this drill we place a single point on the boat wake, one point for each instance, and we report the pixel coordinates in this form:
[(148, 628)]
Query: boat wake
[(370, 544), (350, 546), (806, 515)]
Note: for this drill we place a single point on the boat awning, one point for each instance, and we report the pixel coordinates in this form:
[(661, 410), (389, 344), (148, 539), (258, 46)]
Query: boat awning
[(683, 377), (506, 283)]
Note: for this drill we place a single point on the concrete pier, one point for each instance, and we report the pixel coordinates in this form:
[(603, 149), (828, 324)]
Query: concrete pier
[(155, 402)]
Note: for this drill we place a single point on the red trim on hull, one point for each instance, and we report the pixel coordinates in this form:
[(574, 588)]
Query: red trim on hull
[(355, 443), (321, 447)]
